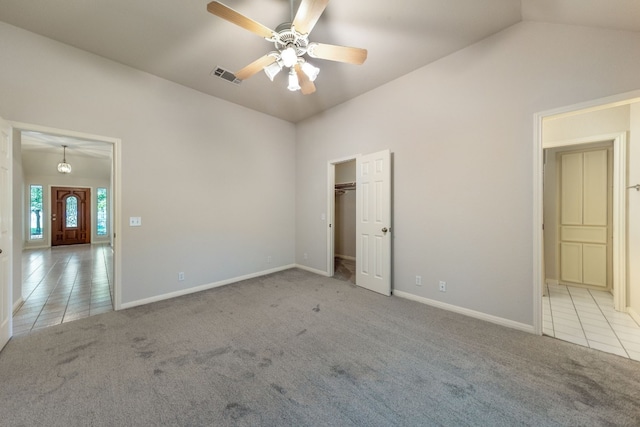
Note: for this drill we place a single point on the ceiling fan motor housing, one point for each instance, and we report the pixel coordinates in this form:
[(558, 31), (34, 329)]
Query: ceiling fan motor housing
[(286, 36)]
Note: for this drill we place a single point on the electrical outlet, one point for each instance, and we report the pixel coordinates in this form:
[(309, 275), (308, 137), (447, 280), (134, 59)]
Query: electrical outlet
[(269, 259), (443, 286), (418, 280), (306, 256), (181, 276)]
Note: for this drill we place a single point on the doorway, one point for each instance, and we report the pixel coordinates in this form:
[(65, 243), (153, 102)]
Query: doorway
[(372, 219), (611, 121), (90, 274), (345, 222)]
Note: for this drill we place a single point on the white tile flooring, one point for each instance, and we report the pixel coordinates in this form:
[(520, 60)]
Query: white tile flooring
[(586, 317)]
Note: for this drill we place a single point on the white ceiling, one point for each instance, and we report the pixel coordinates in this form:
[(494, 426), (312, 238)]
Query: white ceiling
[(180, 41)]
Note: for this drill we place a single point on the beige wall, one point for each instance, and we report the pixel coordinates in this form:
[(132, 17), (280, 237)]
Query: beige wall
[(216, 196), (461, 133)]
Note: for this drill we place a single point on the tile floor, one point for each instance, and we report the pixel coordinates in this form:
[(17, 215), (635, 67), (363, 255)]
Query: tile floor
[(62, 284), (586, 317)]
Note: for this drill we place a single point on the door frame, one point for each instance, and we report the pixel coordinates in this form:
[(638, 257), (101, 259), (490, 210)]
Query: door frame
[(619, 198), (116, 192), (331, 207)]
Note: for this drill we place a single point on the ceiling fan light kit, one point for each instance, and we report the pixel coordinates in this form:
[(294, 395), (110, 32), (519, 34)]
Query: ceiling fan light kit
[(291, 39)]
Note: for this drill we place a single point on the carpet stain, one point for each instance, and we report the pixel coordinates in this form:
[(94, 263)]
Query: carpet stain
[(316, 308), (274, 305), (278, 388), (266, 362), (244, 353), (342, 372), (236, 410), (248, 375), (158, 371), (145, 354), (138, 339), (459, 391), (68, 360), (304, 331), (81, 347), (218, 351)]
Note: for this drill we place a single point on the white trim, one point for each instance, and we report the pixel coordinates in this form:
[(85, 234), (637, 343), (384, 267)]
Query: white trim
[(346, 257), (203, 287), (634, 314), (17, 305), (312, 270), (538, 238), (467, 312)]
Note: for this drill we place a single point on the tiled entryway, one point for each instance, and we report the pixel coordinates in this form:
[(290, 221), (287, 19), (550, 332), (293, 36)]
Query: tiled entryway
[(62, 284), (586, 317)]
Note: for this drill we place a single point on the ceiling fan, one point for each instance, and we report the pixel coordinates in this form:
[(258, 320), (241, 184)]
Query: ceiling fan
[(291, 40)]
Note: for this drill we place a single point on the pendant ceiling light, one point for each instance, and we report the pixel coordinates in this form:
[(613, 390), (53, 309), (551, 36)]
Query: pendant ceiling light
[(63, 166)]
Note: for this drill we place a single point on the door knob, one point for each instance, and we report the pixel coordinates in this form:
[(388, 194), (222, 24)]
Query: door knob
[(384, 230), (0, 251)]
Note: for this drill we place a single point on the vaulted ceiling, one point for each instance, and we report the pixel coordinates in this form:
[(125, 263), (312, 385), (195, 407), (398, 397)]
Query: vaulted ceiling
[(180, 41)]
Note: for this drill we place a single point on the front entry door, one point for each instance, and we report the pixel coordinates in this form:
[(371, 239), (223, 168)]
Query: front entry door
[(71, 216), (373, 222), (585, 212)]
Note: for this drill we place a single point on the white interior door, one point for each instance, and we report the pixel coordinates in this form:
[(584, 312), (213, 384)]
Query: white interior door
[(5, 233), (373, 224), (585, 212)]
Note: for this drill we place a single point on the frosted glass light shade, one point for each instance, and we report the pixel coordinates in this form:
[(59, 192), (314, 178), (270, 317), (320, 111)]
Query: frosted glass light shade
[(272, 69), (64, 167), (311, 71), (289, 57), (293, 81)]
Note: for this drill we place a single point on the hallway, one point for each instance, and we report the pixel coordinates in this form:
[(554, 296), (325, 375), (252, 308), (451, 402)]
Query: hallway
[(62, 284)]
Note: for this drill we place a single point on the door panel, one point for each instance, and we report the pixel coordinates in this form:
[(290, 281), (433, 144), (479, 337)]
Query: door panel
[(373, 225), (594, 258), (71, 216), (595, 188), (570, 179), (6, 303), (585, 179)]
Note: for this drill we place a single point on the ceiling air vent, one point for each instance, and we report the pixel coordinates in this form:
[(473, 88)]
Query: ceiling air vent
[(226, 75)]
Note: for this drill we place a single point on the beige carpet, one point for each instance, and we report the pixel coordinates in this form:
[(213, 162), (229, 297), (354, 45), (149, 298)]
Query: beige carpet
[(298, 349)]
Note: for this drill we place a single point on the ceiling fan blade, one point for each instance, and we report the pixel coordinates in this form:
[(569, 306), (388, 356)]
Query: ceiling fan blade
[(351, 55), (225, 12), (255, 67), (306, 86), (308, 14)]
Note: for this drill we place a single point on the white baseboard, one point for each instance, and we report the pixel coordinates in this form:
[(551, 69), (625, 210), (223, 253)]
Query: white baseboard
[(347, 257), (634, 314), (203, 287), (312, 270), (17, 305), (465, 311)]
